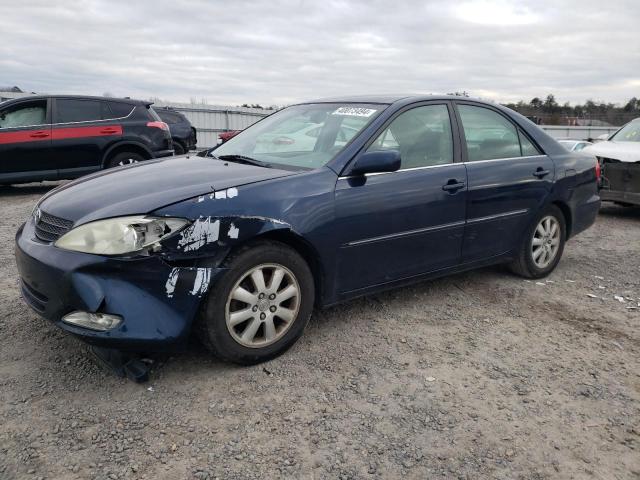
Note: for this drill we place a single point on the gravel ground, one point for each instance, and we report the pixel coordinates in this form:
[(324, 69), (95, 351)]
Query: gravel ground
[(478, 375)]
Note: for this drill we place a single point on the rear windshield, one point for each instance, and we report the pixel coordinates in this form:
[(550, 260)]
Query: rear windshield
[(302, 136)]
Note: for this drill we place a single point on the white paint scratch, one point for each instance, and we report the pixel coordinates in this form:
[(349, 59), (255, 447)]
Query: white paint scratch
[(201, 282), (233, 231), (232, 192), (170, 286), (198, 234)]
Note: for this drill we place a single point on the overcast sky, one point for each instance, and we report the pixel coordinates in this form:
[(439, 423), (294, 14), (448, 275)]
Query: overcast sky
[(278, 52)]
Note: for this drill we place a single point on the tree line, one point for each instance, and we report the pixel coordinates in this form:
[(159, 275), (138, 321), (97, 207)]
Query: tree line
[(548, 111)]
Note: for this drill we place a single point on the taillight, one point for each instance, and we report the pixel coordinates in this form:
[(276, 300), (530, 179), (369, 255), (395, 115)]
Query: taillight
[(598, 170), (160, 125), (284, 141)]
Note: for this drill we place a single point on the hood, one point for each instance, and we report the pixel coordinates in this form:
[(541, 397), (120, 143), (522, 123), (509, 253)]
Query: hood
[(147, 186), (623, 151)]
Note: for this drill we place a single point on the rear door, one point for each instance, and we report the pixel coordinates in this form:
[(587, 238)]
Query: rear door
[(82, 131), (509, 181), (25, 142), (401, 224)]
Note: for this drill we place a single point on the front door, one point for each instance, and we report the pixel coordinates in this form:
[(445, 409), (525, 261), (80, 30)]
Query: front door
[(509, 180), (409, 222), (25, 142)]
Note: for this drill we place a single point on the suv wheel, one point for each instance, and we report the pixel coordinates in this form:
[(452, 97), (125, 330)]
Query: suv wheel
[(542, 246), (178, 149), (260, 306), (124, 158)]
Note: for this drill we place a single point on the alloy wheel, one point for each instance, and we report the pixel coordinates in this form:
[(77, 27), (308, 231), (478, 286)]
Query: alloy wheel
[(262, 305), (546, 242), (127, 161)]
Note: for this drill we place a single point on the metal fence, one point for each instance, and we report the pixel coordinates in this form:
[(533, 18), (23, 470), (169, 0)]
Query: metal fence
[(210, 120), (578, 133)]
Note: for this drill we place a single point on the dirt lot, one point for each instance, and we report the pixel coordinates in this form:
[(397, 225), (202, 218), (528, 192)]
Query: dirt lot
[(479, 375)]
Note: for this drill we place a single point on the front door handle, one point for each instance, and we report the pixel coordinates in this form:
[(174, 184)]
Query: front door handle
[(452, 186), (109, 131), (39, 135), (540, 172)]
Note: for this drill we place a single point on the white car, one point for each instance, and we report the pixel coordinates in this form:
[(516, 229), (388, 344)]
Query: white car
[(619, 158)]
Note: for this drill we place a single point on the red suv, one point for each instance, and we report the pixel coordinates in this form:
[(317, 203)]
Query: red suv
[(62, 137)]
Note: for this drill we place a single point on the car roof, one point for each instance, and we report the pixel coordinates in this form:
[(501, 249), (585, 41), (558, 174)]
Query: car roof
[(82, 97), (392, 98)]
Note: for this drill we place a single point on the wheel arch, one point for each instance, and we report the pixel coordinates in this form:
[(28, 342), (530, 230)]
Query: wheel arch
[(129, 146), (287, 236), (566, 212)]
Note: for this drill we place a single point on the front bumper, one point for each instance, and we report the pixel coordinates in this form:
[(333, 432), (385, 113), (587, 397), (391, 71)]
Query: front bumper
[(157, 301)]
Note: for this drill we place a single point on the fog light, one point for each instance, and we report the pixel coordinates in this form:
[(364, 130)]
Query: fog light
[(94, 321)]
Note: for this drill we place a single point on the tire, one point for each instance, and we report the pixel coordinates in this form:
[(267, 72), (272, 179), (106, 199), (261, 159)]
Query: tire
[(124, 158), (258, 333), (526, 264), (178, 149)]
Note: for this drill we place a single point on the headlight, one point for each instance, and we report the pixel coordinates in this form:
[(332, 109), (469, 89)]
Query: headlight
[(117, 236)]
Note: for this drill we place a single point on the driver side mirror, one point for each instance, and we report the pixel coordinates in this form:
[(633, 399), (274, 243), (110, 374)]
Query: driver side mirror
[(376, 162)]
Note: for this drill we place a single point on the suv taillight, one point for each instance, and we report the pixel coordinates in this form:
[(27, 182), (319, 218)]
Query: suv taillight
[(160, 125), (598, 171)]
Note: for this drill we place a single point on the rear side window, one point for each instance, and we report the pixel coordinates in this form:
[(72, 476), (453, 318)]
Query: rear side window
[(119, 110), (75, 110), (490, 136), (421, 135), (26, 114)]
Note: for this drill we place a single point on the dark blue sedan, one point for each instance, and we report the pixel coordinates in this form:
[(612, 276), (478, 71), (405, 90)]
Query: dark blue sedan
[(316, 204)]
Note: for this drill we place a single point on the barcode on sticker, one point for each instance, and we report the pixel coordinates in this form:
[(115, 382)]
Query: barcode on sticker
[(355, 111)]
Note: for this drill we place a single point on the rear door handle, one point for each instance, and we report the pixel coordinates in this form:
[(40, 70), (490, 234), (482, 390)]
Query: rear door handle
[(540, 172), (108, 131), (39, 135), (452, 186)]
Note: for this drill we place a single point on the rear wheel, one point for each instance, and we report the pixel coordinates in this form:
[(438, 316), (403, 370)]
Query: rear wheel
[(260, 306), (178, 149), (542, 245), (124, 158)]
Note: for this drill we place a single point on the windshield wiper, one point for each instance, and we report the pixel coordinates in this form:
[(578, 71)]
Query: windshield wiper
[(246, 160)]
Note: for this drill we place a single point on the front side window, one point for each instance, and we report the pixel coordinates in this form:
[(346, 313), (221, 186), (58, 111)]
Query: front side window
[(421, 135), (302, 136), (489, 135), (26, 114), (73, 110)]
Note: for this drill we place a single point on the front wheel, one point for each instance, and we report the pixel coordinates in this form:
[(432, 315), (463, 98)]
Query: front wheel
[(260, 306), (542, 245)]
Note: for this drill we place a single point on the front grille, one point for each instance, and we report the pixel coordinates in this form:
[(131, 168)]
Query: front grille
[(35, 299), (49, 227)]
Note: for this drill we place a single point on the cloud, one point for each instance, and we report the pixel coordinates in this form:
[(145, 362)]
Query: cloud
[(282, 51)]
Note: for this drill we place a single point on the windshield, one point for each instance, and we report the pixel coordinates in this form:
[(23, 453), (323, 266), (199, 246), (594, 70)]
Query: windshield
[(629, 133), (301, 136)]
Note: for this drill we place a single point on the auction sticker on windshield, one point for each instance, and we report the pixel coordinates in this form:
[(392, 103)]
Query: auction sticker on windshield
[(355, 111)]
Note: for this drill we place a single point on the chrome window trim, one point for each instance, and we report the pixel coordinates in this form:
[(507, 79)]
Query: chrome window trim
[(95, 121), (502, 159), (73, 123)]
